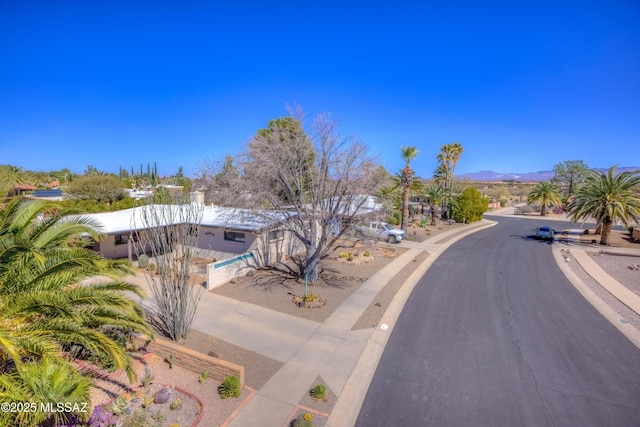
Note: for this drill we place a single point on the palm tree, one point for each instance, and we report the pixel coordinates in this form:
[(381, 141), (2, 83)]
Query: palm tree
[(10, 177), (456, 151), (447, 161), (46, 381), (408, 154), (440, 175), (607, 197), (545, 193), (436, 194), (43, 307)]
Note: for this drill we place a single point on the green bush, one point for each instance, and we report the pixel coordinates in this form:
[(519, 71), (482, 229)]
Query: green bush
[(143, 261), (319, 392), (302, 422), (394, 218), (230, 387), (343, 255), (470, 205)]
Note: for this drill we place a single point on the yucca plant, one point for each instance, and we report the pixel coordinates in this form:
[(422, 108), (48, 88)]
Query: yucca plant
[(230, 387)]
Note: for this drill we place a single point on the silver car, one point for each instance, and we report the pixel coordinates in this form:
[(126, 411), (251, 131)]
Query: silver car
[(544, 232)]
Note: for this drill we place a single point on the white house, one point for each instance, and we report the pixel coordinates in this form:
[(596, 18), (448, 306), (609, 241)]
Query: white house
[(240, 239)]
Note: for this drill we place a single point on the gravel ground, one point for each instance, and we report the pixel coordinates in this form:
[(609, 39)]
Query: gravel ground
[(617, 266), (610, 264), (338, 280), (257, 368), (215, 409), (372, 315)]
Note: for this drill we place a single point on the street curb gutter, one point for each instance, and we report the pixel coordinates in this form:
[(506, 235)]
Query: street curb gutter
[(347, 408), (614, 318)]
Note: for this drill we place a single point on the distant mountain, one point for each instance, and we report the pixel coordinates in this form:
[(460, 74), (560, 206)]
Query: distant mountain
[(497, 176), (524, 177)]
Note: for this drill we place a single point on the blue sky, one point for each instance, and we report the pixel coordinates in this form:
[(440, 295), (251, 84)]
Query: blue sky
[(520, 86)]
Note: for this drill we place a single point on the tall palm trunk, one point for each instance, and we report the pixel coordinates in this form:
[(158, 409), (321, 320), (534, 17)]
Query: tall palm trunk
[(606, 231), (434, 213), (407, 178)]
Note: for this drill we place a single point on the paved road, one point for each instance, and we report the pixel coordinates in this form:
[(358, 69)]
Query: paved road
[(494, 335)]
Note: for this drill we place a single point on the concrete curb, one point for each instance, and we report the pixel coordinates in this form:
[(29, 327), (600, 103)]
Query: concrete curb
[(345, 412)]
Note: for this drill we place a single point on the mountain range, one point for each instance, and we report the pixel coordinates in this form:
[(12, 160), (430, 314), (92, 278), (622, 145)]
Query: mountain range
[(524, 177)]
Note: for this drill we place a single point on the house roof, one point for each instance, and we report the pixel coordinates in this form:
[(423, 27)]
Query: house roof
[(133, 219)]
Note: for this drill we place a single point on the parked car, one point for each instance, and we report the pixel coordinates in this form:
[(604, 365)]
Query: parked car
[(544, 232), (383, 231)]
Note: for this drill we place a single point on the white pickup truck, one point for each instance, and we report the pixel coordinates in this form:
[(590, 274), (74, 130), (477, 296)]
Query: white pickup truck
[(383, 231)]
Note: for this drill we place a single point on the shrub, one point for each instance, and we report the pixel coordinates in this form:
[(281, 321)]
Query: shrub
[(310, 297), (203, 376), (304, 421), (142, 417), (176, 404), (151, 267), (102, 418), (343, 255), (118, 406), (366, 253), (469, 206), (230, 387), (319, 392), (170, 361), (146, 380), (143, 261), (394, 218)]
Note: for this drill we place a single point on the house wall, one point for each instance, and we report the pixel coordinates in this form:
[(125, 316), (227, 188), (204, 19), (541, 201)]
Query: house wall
[(213, 238), (109, 249), (265, 251)]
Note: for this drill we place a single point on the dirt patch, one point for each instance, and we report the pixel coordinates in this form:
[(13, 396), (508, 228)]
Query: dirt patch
[(257, 368), (275, 289), (617, 239), (420, 234), (372, 315)]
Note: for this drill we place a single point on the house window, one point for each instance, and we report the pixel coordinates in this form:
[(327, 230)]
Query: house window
[(276, 235), (234, 236), (122, 239)]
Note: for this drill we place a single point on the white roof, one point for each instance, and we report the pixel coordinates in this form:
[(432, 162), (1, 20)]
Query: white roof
[(127, 220)]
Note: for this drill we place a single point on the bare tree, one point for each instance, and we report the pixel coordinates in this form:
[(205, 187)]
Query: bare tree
[(170, 235), (317, 180)]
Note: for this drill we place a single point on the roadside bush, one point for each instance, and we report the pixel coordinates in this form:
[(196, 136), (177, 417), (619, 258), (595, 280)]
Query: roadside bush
[(470, 205)]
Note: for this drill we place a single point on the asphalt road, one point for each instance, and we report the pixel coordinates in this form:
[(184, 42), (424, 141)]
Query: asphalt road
[(494, 335)]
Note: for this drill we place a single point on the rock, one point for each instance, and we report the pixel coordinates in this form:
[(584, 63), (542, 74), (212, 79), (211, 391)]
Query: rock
[(162, 396), (212, 354)]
